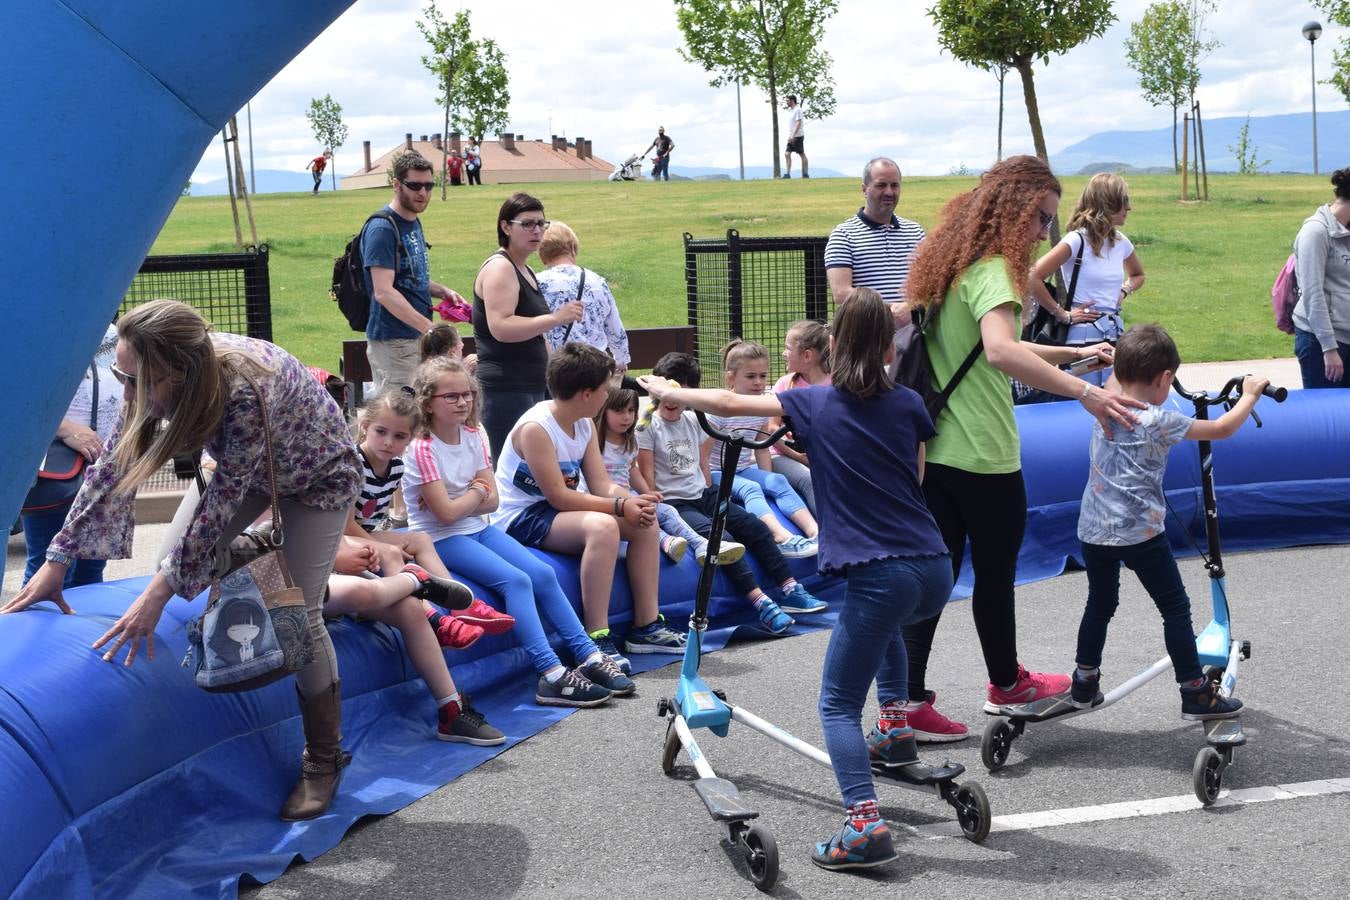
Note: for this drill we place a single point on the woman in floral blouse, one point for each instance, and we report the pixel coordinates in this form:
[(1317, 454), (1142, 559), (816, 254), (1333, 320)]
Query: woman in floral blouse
[(600, 325), (173, 368)]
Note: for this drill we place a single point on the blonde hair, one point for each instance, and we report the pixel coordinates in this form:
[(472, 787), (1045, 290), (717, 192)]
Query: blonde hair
[(1105, 195), (171, 341), (399, 402), (424, 387), (738, 352), (812, 335), (558, 241)]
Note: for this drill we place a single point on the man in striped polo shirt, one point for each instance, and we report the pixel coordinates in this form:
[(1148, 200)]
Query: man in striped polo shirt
[(874, 248)]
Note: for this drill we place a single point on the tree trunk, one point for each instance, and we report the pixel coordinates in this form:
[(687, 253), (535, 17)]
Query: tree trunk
[(1176, 160), (445, 142), (1037, 134), (773, 113), (229, 183), (1002, 74)]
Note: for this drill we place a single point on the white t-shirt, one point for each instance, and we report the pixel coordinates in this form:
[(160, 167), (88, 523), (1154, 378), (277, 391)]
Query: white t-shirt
[(674, 447), (1099, 282), (795, 128), (516, 483), (454, 465), (619, 464)]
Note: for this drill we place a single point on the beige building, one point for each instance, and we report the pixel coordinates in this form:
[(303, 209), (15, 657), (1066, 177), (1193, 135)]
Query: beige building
[(510, 159)]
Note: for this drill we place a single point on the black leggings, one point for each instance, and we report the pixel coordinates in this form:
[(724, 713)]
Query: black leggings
[(990, 510), (743, 527)]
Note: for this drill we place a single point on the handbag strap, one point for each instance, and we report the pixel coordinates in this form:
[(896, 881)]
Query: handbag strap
[(277, 536), (93, 406), (581, 288), (1077, 264)]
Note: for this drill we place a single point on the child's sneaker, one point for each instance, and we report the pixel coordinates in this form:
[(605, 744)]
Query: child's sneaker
[(655, 638), (603, 641), (572, 689), (674, 547), (456, 634), (1086, 689), (485, 617), (1200, 704), (773, 617), (798, 600), (797, 547), (437, 590), (459, 722), (606, 673), (892, 746), (728, 552), (858, 845), (931, 726), (1029, 686)]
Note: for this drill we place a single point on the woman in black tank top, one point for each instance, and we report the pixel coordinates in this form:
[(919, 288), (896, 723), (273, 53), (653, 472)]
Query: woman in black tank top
[(510, 318)]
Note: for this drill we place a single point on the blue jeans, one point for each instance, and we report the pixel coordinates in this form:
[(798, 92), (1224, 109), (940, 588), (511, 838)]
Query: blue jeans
[(880, 597), (1157, 569), (660, 167), (38, 531), (799, 476), (743, 527), (1311, 364), (526, 584)]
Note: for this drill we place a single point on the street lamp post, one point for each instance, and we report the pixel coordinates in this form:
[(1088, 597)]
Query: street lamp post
[(1312, 31)]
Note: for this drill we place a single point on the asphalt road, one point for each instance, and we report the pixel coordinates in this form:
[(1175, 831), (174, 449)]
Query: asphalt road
[(583, 810)]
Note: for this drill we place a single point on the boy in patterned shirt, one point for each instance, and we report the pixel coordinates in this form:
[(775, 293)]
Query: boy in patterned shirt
[(1122, 519)]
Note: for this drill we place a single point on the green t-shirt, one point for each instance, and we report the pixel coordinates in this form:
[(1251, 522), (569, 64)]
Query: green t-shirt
[(976, 432)]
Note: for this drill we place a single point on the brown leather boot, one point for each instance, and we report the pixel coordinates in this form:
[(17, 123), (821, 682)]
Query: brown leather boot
[(324, 757)]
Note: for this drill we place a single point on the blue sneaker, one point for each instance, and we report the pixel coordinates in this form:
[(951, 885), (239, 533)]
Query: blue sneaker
[(605, 644), (892, 747), (1205, 703), (799, 600), (655, 638), (797, 547), (858, 845), (572, 689), (606, 673), (773, 617), (1085, 692)]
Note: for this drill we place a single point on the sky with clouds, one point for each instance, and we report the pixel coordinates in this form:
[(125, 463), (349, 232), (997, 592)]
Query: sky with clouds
[(610, 71)]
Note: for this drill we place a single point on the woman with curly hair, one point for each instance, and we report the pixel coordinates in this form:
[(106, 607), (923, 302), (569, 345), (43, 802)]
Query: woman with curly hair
[(971, 274)]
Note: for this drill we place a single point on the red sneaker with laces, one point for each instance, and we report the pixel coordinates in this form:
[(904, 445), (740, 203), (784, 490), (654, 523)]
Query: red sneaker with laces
[(454, 634), (1030, 686), (931, 726), (485, 617)]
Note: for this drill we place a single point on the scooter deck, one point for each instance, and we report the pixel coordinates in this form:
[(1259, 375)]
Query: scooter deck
[(723, 800), (1041, 710), (917, 773), (1222, 733)]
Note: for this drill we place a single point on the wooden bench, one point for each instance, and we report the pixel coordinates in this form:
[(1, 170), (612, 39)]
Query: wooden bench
[(646, 345)]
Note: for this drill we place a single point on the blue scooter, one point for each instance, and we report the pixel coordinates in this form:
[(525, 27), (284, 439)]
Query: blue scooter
[(696, 705), (1219, 651)]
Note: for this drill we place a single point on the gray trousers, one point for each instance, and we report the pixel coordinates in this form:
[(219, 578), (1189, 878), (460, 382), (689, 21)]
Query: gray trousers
[(799, 476)]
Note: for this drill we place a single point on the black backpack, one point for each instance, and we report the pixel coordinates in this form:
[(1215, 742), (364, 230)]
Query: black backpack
[(914, 369), (349, 283)]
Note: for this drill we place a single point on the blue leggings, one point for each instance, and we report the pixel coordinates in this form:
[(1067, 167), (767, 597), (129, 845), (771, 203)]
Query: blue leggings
[(866, 645), (527, 584), (799, 476), (751, 485)]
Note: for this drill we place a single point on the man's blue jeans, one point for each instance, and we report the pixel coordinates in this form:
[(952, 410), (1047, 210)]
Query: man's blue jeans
[(661, 167)]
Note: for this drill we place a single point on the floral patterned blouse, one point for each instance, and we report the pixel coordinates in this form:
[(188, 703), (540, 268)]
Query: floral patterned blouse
[(316, 465), (600, 326)]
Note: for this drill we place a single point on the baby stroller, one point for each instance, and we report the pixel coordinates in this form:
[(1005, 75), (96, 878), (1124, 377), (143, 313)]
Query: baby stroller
[(629, 170)]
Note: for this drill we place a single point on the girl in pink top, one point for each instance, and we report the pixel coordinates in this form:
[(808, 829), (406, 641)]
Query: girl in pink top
[(806, 351)]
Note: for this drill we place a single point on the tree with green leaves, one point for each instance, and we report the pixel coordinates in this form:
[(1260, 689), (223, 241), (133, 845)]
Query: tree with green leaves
[(1244, 151), (484, 91), (1165, 48), (1338, 11), (772, 44), (1017, 33), (451, 46), (325, 118)]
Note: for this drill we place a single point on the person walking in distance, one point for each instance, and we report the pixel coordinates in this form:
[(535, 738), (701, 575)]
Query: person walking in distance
[(796, 138)]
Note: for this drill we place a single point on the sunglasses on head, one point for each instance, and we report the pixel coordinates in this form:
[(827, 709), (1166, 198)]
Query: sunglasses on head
[(1046, 218), (122, 377), (419, 185)]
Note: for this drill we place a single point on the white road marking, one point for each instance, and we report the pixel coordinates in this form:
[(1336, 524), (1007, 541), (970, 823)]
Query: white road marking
[(1130, 809)]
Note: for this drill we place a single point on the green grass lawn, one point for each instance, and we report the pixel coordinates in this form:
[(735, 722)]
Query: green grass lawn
[(1209, 266)]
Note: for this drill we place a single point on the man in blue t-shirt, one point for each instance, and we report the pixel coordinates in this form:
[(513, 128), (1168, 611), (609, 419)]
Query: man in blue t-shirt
[(400, 309)]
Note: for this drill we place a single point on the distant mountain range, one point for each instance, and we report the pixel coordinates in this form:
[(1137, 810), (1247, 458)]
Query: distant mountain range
[(1284, 140), (268, 181)]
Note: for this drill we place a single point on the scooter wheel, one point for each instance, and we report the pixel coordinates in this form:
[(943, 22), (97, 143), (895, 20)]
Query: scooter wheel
[(995, 745), (972, 812), (670, 750), (761, 853), (1207, 775)]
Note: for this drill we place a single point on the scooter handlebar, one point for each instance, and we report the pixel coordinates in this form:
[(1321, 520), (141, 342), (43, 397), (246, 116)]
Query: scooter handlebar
[(740, 437), (1278, 394), (1229, 393)]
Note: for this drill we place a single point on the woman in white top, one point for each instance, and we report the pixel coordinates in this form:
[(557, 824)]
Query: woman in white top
[(1110, 271)]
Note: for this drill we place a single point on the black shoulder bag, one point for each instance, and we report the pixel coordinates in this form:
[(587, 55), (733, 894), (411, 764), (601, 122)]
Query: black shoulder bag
[(1045, 327)]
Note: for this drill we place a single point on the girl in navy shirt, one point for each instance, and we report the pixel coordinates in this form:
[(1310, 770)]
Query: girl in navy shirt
[(876, 532)]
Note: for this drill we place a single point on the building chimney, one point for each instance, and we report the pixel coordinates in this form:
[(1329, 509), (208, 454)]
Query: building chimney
[(407, 141), (436, 141), (454, 142), (365, 146), (588, 148), (508, 142), (521, 138), (581, 147)]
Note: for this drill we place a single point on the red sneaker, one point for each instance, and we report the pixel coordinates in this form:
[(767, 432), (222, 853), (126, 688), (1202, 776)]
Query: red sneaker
[(1030, 686), (932, 727), (485, 617), (454, 634)]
